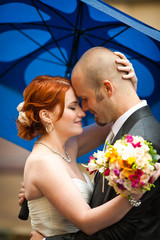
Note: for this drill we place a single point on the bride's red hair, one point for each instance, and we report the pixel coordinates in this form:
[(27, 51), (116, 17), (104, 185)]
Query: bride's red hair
[(44, 92)]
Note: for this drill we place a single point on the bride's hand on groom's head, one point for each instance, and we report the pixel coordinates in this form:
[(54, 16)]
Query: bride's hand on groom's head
[(126, 66), (36, 236)]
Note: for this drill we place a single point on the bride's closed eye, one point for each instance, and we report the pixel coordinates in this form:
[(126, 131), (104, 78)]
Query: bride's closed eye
[(72, 108)]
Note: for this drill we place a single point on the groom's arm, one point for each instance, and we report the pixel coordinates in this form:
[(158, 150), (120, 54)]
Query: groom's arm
[(122, 232)]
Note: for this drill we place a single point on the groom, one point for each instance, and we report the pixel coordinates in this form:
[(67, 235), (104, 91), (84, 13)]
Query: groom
[(103, 92)]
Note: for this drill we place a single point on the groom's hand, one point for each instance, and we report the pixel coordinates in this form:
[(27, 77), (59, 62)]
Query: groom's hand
[(36, 236)]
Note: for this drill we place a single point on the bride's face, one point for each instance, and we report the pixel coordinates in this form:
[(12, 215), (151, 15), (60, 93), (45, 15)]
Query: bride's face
[(70, 124)]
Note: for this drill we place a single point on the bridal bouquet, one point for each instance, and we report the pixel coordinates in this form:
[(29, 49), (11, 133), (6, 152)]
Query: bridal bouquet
[(128, 165)]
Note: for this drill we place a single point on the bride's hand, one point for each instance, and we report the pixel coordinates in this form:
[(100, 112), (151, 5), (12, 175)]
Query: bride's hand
[(128, 68), (36, 236), (156, 173), (21, 194), (155, 176)]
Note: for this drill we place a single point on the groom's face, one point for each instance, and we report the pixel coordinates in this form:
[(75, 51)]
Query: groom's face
[(90, 100)]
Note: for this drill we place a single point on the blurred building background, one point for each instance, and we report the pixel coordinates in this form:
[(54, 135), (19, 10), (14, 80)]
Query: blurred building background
[(12, 157), (144, 10)]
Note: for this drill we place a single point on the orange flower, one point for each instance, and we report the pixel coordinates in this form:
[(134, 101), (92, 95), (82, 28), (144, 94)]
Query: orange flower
[(128, 172), (126, 165), (112, 155)]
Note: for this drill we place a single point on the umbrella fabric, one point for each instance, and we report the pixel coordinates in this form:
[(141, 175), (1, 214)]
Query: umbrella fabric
[(48, 37)]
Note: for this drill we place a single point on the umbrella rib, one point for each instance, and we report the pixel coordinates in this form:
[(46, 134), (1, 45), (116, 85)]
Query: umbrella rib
[(105, 26), (127, 47), (139, 54), (75, 40), (109, 40), (41, 47), (49, 25), (49, 30), (94, 36), (114, 36), (46, 60), (61, 16), (105, 41), (88, 41), (29, 55)]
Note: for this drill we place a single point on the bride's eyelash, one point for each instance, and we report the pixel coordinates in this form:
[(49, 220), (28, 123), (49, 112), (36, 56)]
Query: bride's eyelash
[(73, 108)]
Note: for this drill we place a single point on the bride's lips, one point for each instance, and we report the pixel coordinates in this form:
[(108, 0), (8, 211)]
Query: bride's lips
[(79, 122)]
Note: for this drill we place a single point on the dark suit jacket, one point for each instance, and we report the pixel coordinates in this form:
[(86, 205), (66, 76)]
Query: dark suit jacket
[(143, 222)]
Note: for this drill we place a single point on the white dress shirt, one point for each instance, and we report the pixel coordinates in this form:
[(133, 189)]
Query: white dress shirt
[(120, 121)]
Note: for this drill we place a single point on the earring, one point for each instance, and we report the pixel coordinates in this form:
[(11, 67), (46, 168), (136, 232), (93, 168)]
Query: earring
[(52, 127)]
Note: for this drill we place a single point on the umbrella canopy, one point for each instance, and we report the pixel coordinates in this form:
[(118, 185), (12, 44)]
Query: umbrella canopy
[(48, 37)]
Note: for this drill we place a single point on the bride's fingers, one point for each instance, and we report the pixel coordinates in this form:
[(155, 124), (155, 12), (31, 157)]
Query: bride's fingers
[(121, 55), (129, 72), (123, 62), (21, 190), (128, 69), (125, 66), (128, 76), (21, 201), (156, 173), (21, 195), (157, 166)]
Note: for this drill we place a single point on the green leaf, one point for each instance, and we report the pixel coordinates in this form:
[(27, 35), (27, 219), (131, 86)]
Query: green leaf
[(155, 158)]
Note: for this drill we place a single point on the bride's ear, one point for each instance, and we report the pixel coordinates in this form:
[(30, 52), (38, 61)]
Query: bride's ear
[(44, 115), (108, 87)]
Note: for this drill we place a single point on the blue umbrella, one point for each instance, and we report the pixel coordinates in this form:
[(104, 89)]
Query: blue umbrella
[(48, 37)]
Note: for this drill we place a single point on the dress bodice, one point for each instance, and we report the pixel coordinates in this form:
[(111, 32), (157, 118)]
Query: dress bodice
[(47, 220)]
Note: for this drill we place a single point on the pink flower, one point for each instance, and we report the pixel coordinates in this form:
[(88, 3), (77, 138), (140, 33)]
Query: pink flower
[(107, 171), (136, 145), (91, 158), (120, 184), (135, 178), (142, 183), (116, 171), (151, 180), (129, 138), (139, 172), (94, 171)]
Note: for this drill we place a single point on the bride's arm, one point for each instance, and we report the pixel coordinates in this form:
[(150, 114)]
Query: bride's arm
[(54, 182)]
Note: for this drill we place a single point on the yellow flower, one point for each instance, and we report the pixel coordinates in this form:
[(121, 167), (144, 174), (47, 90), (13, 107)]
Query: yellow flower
[(128, 172), (131, 160), (112, 155)]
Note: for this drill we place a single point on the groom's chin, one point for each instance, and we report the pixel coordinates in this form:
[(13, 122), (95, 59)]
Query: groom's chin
[(101, 124)]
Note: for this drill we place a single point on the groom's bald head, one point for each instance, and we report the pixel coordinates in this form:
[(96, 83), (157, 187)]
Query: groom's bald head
[(97, 65)]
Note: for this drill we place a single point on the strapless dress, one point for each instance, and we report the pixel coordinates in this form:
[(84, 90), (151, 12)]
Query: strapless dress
[(47, 220)]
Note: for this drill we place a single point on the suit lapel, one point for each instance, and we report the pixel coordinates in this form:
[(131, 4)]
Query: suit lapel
[(132, 120)]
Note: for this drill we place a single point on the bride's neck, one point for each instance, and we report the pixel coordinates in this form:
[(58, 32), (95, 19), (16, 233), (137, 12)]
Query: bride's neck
[(54, 141)]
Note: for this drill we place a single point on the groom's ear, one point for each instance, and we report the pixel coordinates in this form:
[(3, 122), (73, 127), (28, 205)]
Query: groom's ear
[(108, 87)]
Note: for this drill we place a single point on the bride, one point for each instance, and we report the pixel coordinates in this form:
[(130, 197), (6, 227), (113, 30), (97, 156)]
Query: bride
[(57, 191)]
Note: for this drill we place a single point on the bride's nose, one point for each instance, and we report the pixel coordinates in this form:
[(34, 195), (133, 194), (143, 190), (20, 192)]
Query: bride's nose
[(81, 113)]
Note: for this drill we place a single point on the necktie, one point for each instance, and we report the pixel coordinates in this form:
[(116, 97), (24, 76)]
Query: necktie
[(108, 139)]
